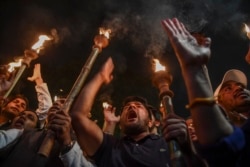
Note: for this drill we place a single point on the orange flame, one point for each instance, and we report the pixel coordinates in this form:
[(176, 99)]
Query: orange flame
[(105, 105), (247, 30), (14, 64), (39, 44), (158, 66), (105, 32)]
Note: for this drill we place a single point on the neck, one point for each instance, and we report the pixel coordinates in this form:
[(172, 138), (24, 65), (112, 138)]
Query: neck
[(139, 136), (3, 119)]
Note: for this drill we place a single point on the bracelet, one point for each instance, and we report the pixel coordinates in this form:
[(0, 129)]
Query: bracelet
[(68, 147), (201, 101)]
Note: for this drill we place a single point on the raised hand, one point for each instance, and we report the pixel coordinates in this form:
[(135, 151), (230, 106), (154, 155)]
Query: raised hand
[(109, 114), (106, 71), (186, 47), (36, 77), (110, 120), (175, 128), (60, 123)]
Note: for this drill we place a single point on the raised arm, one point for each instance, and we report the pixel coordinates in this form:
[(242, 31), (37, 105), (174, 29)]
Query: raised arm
[(110, 120), (43, 94), (89, 135), (209, 122)]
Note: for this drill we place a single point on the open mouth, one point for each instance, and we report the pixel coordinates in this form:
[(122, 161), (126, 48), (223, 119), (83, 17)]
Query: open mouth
[(131, 115), (19, 122)]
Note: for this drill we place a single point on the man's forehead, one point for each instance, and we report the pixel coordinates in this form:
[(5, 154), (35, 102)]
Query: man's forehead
[(133, 102), (19, 99), (231, 82)]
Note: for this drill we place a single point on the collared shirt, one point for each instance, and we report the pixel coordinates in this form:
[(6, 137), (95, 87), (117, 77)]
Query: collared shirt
[(151, 151), (8, 136)]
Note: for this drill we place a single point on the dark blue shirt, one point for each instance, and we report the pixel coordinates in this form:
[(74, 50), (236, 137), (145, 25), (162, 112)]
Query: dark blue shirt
[(151, 151), (229, 151)]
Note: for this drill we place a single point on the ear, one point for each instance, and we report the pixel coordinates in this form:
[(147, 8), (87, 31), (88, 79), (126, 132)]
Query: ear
[(150, 123)]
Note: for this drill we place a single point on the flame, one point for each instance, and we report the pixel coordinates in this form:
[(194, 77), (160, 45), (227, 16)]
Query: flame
[(39, 44), (55, 98), (105, 105), (14, 64), (246, 28), (105, 32), (158, 66)]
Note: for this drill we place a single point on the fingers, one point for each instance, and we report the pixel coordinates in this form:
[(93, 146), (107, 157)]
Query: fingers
[(168, 26), (59, 122), (174, 128), (174, 27), (31, 78), (107, 70), (180, 135), (57, 114), (207, 42), (36, 73)]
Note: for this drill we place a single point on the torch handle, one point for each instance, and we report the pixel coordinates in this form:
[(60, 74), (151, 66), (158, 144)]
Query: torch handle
[(174, 149), (18, 75), (28, 57), (48, 142), (80, 80)]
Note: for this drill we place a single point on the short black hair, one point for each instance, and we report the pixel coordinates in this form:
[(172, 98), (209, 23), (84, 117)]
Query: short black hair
[(140, 99), (8, 100)]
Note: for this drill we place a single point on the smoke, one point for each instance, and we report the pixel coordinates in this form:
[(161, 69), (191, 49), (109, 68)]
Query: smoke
[(141, 20)]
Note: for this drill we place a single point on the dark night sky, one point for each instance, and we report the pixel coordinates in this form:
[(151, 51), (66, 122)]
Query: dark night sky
[(137, 37)]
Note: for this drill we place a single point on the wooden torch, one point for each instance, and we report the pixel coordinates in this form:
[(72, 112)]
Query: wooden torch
[(162, 79), (100, 41), (25, 61)]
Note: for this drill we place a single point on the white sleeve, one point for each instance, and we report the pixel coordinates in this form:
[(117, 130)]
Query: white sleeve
[(8, 136), (75, 157), (44, 101)]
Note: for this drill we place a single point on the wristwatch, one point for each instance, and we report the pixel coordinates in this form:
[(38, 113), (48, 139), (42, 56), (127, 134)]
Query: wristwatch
[(67, 148)]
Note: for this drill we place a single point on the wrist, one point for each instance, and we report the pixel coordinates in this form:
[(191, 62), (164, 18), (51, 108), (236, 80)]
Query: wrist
[(39, 81), (109, 127), (66, 148)]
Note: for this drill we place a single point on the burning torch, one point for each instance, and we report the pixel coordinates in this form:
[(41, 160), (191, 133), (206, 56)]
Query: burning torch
[(25, 61), (101, 41), (162, 80), (247, 57)]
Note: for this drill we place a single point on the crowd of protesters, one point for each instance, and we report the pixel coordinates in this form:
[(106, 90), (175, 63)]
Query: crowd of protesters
[(216, 133)]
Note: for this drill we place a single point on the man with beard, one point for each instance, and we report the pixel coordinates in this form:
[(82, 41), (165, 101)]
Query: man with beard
[(233, 97), (137, 147), (223, 144)]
